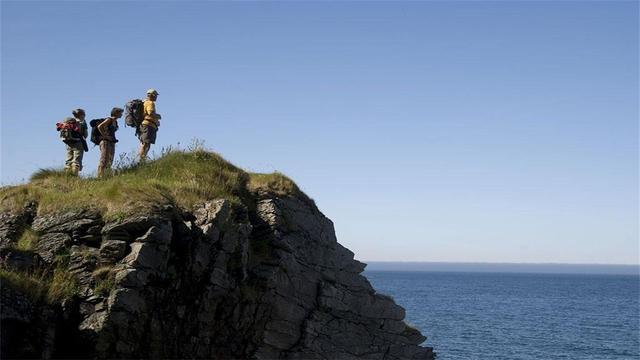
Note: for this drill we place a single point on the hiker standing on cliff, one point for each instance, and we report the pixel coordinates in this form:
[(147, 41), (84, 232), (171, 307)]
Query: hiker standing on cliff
[(73, 131), (150, 124), (108, 128)]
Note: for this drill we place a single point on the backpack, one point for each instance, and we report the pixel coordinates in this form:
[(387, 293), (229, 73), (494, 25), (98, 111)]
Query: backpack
[(96, 136), (70, 131), (134, 113)]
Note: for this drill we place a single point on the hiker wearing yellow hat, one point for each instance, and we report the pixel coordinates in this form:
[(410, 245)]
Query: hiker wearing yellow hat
[(150, 124)]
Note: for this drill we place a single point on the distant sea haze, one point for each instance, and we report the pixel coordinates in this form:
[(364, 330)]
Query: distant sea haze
[(543, 268)]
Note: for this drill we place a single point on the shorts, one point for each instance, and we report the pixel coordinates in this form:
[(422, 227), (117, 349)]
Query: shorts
[(147, 134)]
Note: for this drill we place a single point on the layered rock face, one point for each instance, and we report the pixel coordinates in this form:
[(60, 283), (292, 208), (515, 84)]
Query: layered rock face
[(223, 281)]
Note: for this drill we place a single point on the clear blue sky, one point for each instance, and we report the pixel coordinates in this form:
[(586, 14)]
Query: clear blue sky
[(427, 131)]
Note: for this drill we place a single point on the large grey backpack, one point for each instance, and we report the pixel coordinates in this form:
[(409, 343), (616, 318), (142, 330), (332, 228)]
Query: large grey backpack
[(134, 113)]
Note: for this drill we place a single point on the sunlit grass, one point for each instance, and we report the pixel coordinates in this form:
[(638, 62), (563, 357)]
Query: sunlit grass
[(177, 177)]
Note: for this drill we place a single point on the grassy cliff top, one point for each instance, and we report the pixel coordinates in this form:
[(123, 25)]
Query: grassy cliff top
[(182, 178)]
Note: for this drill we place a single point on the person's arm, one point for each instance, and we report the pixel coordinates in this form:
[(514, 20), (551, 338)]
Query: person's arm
[(83, 128), (103, 128)]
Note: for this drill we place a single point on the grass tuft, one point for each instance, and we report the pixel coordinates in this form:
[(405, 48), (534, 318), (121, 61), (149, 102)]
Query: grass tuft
[(104, 280), (278, 184), (32, 284), (41, 286), (42, 174), (27, 240), (63, 286)]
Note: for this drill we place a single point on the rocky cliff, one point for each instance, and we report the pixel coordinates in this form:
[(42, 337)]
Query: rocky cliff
[(261, 278)]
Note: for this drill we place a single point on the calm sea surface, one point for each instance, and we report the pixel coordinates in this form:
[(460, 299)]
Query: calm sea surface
[(519, 316)]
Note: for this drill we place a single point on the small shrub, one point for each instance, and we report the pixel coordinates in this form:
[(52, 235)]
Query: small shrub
[(40, 285), (126, 162), (62, 286), (42, 174), (104, 280), (27, 240), (62, 258)]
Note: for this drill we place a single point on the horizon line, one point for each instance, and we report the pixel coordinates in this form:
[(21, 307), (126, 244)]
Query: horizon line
[(495, 263), (487, 267)]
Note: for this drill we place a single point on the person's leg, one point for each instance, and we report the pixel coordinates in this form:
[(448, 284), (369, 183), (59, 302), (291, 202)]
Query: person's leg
[(68, 162), (111, 150), (144, 149), (103, 158), (74, 162), (144, 142), (78, 153), (147, 137)]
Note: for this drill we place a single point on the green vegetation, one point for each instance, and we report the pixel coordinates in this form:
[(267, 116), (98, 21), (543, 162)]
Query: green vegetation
[(105, 280), (183, 178), (38, 286), (49, 173), (31, 284), (276, 183), (62, 286), (27, 240), (178, 177)]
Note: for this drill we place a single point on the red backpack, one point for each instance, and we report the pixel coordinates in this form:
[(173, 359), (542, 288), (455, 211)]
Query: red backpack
[(69, 130)]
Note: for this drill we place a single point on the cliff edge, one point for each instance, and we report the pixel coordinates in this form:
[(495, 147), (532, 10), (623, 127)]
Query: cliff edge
[(186, 256)]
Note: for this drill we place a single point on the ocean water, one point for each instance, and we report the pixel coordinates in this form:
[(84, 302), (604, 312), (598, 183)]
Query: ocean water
[(519, 316)]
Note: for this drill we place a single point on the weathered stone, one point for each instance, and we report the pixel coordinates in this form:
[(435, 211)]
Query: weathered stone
[(10, 228), (412, 334), (88, 239), (159, 234), (213, 212), (132, 278), (130, 228), (17, 260), (280, 336), (202, 253), (268, 211), (94, 322), (13, 224), (51, 244), (83, 261), (149, 256), (112, 251), (127, 300), (67, 222)]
